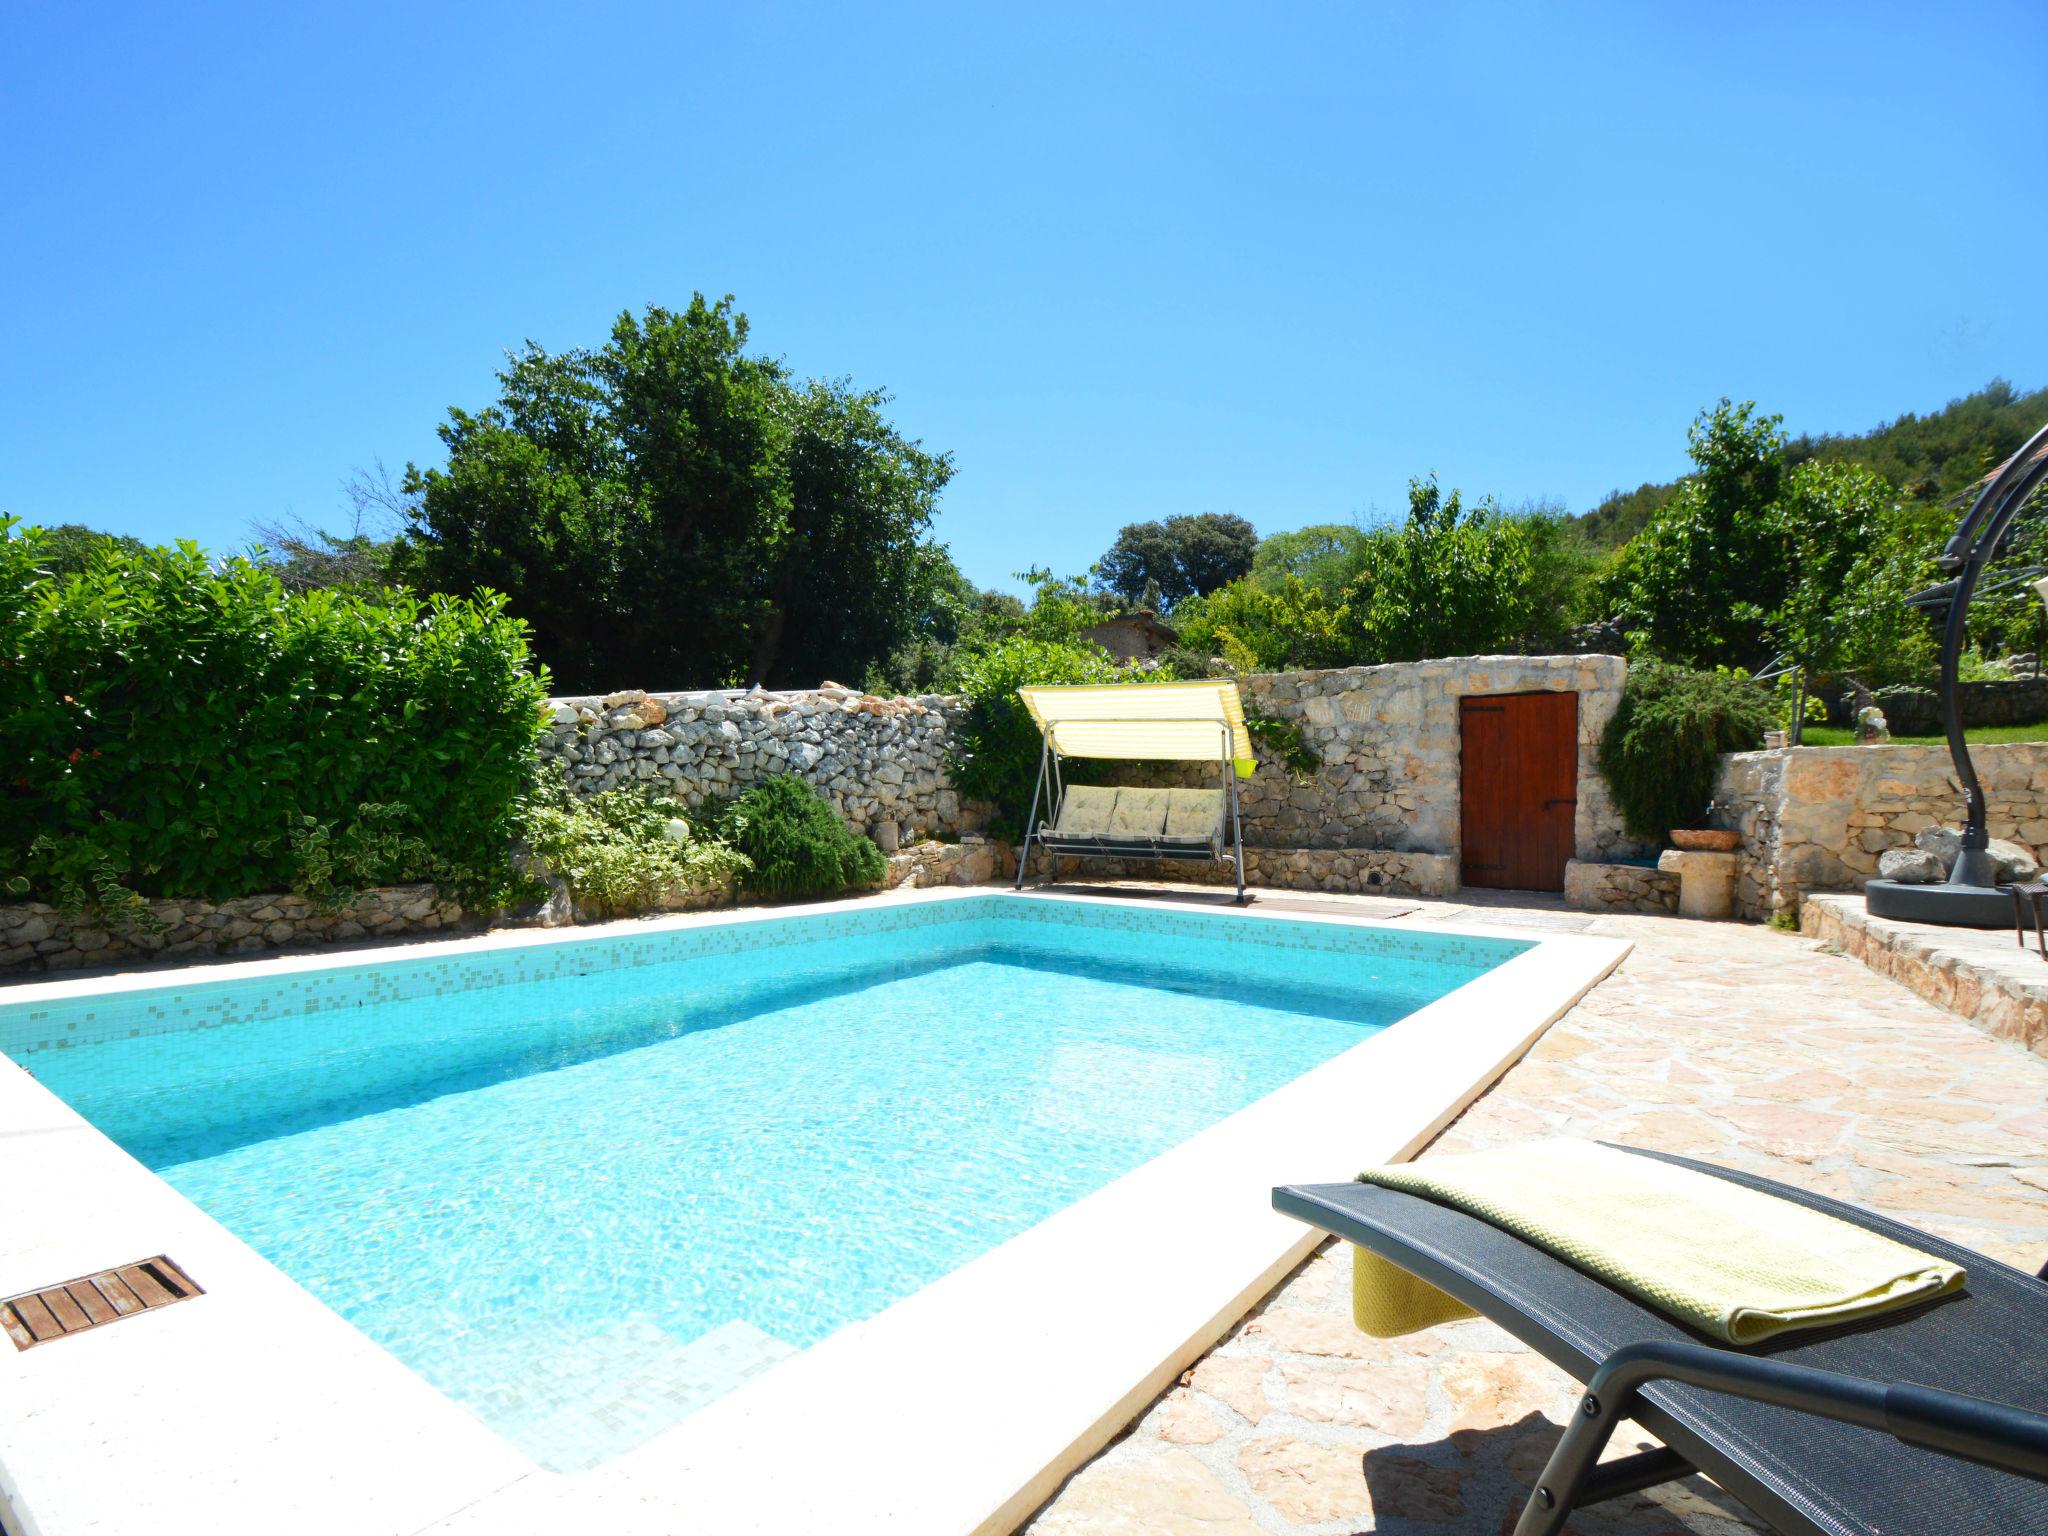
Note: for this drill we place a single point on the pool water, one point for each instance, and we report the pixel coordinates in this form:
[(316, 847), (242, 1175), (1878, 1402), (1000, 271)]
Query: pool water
[(585, 1205)]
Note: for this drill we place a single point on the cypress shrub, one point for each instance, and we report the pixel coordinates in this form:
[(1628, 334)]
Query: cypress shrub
[(796, 842), (1661, 751)]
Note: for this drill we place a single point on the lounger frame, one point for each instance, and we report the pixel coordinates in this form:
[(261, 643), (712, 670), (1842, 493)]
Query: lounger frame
[(1669, 1381), (1037, 831)]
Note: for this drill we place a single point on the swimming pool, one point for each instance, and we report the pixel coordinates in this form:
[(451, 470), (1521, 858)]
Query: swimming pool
[(586, 1188)]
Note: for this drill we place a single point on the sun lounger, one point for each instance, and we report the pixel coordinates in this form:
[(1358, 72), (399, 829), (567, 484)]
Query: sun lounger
[(1932, 1419)]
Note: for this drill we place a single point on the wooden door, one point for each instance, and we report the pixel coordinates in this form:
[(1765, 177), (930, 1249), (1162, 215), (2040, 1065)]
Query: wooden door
[(1519, 768)]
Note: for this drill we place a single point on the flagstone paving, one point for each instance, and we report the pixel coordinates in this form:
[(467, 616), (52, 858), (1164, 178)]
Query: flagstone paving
[(1725, 1041)]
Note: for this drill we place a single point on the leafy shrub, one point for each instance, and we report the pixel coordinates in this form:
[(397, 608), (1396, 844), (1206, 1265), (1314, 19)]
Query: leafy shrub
[(626, 850), (1274, 628), (995, 747), (178, 728), (1463, 581), (1283, 738), (795, 843), (1660, 752)]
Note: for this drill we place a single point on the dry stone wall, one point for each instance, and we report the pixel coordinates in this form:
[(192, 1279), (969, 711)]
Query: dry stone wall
[(1818, 818), (1620, 888), (881, 762)]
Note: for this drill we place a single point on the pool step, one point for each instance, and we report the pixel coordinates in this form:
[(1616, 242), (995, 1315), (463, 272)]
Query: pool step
[(54, 1312), (580, 1399)]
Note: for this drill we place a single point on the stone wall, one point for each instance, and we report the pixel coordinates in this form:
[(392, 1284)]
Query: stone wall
[(36, 937), (881, 762), (1619, 888), (1917, 711), (1354, 871), (1817, 818), (1387, 741), (971, 861)]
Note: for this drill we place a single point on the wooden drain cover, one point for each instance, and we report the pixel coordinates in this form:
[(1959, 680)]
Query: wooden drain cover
[(37, 1317)]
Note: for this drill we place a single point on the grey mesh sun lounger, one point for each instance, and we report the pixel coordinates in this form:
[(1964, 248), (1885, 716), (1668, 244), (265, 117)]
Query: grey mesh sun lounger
[(1932, 1421)]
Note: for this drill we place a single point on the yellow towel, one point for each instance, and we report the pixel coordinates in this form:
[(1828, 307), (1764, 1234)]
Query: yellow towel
[(1731, 1262)]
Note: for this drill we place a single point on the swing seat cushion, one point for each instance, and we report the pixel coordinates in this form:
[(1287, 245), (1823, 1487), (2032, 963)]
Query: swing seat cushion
[(1086, 811), (1139, 813), (1193, 813)]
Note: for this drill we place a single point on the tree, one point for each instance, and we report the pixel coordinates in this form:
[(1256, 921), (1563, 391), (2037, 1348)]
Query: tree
[(1325, 555), (1457, 582), (1183, 556), (668, 509), (69, 548), (1703, 578), (305, 556), (1851, 558), (1260, 628)]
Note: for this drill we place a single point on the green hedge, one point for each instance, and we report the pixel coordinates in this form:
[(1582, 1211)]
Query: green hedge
[(176, 727), (1661, 751)]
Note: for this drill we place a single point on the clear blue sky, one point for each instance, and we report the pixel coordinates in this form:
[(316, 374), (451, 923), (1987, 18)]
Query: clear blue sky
[(1122, 261)]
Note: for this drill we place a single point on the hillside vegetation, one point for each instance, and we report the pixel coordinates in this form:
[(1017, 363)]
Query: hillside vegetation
[(1925, 458)]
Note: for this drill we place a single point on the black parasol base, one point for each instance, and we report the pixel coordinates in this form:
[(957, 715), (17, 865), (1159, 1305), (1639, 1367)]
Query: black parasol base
[(1948, 905)]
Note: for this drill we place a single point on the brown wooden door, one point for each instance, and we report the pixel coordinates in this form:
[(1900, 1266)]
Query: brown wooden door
[(1520, 770)]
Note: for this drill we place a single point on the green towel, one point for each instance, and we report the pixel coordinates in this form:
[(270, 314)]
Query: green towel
[(1731, 1262)]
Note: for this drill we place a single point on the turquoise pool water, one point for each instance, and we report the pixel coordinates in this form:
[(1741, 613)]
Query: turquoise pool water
[(584, 1190)]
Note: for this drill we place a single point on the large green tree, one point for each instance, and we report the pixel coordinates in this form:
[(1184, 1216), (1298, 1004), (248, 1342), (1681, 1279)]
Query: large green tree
[(1752, 560), (1702, 580), (671, 510), (1181, 557)]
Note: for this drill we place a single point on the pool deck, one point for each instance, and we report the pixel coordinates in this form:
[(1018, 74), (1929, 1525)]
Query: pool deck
[(1724, 1041)]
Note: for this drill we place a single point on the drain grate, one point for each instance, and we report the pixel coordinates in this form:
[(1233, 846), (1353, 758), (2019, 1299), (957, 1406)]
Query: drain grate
[(37, 1317)]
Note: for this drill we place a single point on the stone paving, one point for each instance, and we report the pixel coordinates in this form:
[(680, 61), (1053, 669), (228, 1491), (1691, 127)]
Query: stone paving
[(1727, 1041)]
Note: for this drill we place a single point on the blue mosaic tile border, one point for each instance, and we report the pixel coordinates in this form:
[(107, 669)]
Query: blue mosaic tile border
[(1231, 928), (26, 1028)]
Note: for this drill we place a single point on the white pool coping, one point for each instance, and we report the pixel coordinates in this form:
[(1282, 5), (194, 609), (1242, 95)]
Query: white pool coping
[(958, 1409)]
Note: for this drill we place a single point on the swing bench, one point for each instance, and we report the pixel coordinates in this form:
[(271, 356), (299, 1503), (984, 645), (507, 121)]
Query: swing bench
[(1158, 722)]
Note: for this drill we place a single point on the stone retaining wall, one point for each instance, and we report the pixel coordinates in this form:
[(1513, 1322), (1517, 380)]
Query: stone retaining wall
[(1980, 975), (36, 937), (1817, 818), (1387, 743), (1354, 871), (881, 762), (971, 861), (1619, 888)]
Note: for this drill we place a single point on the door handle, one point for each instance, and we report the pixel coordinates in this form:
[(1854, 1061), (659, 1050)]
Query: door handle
[(1566, 800)]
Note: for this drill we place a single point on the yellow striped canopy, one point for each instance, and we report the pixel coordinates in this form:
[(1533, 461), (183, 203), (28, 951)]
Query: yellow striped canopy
[(1181, 722)]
